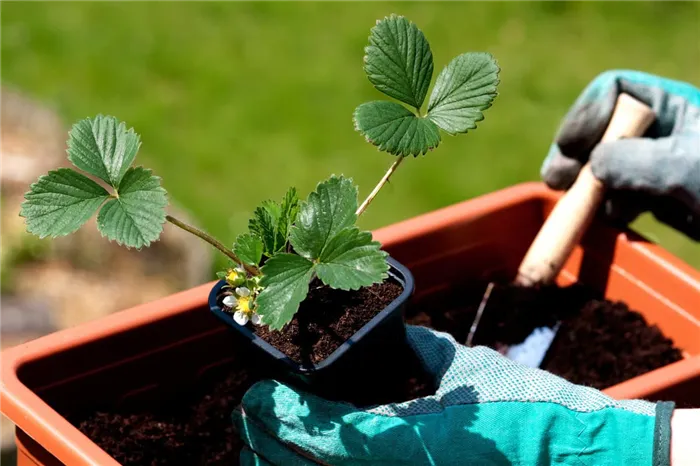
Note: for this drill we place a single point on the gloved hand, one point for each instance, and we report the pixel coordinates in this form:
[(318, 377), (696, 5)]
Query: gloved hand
[(488, 410), (659, 173)]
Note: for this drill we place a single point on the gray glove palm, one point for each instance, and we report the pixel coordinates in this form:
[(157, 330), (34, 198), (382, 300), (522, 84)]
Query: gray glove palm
[(659, 173)]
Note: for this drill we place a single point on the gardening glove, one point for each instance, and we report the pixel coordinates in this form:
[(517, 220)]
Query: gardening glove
[(658, 173), (488, 410)]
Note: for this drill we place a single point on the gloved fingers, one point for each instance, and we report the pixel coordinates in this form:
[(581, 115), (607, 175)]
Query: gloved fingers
[(436, 350), (586, 121), (623, 207), (580, 130), (584, 124), (264, 449), (559, 171), (664, 172), (328, 432), (588, 118), (454, 367), (663, 167)]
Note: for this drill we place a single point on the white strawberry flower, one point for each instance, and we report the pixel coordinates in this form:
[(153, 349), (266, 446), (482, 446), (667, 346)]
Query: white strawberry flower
[(255, 319), (240, 317), (230, 301), (242, 291)]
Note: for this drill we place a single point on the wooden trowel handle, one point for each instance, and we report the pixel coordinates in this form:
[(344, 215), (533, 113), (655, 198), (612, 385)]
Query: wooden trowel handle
[(570, 217)]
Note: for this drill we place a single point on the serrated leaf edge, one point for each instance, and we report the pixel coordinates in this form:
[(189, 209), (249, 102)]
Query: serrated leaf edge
[(392, 152), (481, 117), (121, 125), (394, 16), (236, 247), (147, 243), (26, 202)]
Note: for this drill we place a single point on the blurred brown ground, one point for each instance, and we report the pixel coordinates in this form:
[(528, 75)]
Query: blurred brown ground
[(47, 285)]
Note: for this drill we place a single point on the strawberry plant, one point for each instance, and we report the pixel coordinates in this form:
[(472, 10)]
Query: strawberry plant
[(291, 243), (399, 63)]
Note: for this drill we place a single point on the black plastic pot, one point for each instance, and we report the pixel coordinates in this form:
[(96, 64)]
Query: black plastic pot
[(360, 360)]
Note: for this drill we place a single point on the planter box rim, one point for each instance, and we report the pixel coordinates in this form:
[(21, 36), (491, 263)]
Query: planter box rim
[(32, 414), (532, 190)]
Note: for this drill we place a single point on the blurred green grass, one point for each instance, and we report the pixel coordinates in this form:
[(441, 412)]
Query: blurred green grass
[(237, 101)]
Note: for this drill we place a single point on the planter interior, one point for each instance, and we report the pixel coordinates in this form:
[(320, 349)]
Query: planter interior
[(162, 349), (488, 237)]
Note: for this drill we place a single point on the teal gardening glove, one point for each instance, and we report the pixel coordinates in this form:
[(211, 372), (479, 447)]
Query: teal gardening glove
[(488, 410), (659, 172)]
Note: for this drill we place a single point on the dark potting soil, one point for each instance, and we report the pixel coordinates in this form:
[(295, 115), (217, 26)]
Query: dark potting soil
[(599, 344), (327, 318), (195, 428)]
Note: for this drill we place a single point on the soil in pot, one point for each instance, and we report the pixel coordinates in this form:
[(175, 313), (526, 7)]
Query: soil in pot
[(599, 344), (327, 318)]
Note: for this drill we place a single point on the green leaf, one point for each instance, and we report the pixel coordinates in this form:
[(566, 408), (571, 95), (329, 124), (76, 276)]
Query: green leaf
[(352, 260), (103, 147), (273, 209), (328, 210), (395, 129), (288, 215), (285, 280), (136, 217), (465, 88), (271, 222), (263, 225), (61, 202), (398, 61), (249, 249)]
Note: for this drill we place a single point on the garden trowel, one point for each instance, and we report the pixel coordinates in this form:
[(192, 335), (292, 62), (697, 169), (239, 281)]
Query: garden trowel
[(563, 229)]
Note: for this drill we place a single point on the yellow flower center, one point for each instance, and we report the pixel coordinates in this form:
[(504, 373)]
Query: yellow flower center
[(244, 305), (232, 276)]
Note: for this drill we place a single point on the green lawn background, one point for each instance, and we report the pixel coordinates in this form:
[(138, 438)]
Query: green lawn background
[(237, 101)]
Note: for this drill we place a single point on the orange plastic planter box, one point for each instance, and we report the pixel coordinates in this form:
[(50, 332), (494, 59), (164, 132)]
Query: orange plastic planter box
[(171, 343)]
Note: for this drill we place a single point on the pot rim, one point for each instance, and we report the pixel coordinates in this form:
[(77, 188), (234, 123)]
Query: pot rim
[(397, 271)]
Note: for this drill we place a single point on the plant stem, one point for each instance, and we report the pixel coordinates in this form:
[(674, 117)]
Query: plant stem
[(379, 186), (199, 233)]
